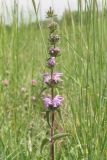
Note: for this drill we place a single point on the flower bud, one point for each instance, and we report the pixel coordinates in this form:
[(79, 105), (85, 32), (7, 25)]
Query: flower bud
[(34, 82), (52, 26), (5, 82), (23, 89), (50, 13), (33, 98)]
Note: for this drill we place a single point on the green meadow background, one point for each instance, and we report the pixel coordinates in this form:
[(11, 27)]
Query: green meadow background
[(23, 54)]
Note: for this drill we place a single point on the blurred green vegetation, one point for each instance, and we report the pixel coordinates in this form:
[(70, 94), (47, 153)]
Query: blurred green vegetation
[(23, 54)]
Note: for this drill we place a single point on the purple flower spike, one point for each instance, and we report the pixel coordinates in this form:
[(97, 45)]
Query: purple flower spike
[(54, 51), (51, 62), (55, 103), (55, 79)]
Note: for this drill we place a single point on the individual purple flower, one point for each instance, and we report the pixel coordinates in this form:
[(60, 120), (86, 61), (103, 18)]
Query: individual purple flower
[(51, 62), (55, 79), (48, 101), (54, 51), (47, 78), (53, 103), (57, 101)]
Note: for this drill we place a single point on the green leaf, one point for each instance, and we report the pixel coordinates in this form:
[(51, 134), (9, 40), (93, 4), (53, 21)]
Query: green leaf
[(59, 113), (1, 145), (43, 89), (48, 117), (57, 91), (44, 142), (59, 136)]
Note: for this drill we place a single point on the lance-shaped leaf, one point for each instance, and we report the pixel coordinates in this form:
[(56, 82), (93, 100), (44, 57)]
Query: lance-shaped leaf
[(48, 117), (59, 113), (59, 136), (44, 142), (2, 146)]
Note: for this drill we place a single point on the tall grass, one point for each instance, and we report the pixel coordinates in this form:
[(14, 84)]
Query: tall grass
[(84, 59)]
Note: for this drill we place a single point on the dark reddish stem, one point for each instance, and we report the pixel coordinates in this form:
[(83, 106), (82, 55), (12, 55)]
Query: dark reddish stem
[(52, 126), (52, 134)]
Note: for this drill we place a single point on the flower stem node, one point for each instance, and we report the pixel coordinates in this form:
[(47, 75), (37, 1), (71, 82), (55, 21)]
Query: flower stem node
[(54, 103), (54, 38), (51, 62), (54, 52), (52, 80)]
